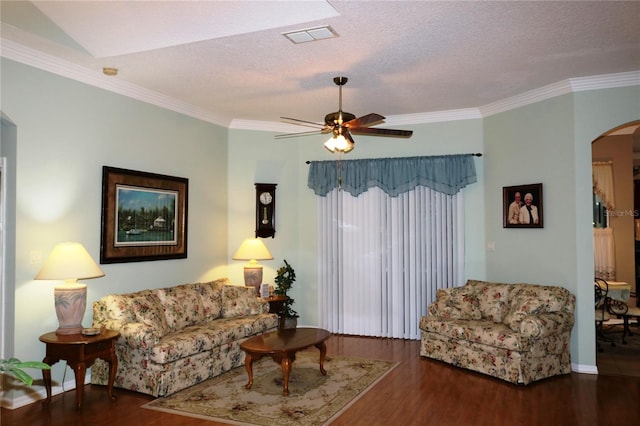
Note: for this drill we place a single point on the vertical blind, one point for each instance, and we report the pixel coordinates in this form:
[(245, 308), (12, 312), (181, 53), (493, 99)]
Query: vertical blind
[(383, 256)]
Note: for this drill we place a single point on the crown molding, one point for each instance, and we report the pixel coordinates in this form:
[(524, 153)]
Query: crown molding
[(433, 117), (25, 55), (395, 120), (605, 81), (20, 53), (572, 85), (527, 98)]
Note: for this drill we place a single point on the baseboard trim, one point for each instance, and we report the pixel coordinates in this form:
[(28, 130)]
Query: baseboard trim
[(584, 369), (39, 395)]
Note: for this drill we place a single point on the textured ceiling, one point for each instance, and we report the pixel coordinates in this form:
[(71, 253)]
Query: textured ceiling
[(229, 60)]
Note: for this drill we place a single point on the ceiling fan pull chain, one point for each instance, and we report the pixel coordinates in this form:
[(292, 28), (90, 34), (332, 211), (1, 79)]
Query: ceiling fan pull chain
[(339, 171)]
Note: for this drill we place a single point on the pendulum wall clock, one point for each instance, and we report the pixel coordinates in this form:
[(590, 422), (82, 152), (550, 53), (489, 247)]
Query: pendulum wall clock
[(265, 210)]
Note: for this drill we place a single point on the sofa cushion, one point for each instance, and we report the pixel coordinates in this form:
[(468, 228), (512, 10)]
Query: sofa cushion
[(493, 299), (456, 303), (211, 296), (532, 299), (485, 332), (182, 306), (238, 301), (148, 310), (115, 307), (209, 335)]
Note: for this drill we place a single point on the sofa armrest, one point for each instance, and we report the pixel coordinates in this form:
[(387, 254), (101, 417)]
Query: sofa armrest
[(546, 324), (135, 334), (264, 306)]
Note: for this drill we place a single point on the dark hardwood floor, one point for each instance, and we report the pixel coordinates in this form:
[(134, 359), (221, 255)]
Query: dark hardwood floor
[(417, 392)]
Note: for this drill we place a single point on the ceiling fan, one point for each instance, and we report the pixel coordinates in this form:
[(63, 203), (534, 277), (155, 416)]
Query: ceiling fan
[(342, 124)]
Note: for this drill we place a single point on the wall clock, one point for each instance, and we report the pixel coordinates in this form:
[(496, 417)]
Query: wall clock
[(265, 210)]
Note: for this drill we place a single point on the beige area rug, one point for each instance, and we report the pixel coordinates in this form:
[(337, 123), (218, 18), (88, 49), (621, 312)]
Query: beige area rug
[(313, 399)]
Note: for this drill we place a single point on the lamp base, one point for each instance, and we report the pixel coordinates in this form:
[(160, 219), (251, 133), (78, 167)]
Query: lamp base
[(67, 331), (253, 277), (70, 301)]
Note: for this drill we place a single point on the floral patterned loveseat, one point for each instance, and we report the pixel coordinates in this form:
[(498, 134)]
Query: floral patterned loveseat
[(172, 338), (515, 332)]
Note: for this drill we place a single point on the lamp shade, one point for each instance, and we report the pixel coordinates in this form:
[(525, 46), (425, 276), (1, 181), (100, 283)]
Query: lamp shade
[(69, 262), (253, 249)]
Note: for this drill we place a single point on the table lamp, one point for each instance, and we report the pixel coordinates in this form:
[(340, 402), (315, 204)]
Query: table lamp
[(69, 262), (253, 249)]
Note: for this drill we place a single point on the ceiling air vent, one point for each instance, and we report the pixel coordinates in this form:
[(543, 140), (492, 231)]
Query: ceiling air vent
[(310, 34)]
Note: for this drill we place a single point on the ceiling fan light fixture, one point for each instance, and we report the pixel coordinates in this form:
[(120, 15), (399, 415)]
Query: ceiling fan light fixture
[(348, 148), (343, 124), (338, 143), (330, 145)]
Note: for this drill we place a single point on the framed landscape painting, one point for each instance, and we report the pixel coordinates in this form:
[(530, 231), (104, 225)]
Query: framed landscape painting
[(522, 206), (144, 216)]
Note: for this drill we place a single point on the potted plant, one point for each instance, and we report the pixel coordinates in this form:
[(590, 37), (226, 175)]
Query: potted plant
[(15, 366), (285, 278)]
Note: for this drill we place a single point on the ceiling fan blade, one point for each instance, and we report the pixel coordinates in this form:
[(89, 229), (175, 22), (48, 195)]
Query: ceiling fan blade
[(365, 120), (293, 135), (303, 122), (343, 123), (375, 131), (348, 137)]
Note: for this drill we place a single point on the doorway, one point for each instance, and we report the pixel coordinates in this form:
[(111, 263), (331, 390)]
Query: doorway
[(620, 147)]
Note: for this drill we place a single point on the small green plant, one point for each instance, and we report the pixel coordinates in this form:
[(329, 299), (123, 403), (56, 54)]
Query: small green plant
[(15, 366), (284, 280)]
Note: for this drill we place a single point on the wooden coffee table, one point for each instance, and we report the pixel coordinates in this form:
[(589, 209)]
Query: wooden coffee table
[(282, 346)]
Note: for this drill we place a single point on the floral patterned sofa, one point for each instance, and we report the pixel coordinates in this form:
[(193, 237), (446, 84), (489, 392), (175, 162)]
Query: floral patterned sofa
[(172, 338), (515, 332)]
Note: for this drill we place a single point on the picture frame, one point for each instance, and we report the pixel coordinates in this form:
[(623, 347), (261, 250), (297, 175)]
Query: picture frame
[(144, 216), (523, 218), (264, 290)]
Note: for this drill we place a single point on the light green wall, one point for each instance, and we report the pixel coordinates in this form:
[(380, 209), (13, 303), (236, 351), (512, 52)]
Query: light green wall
[(66, 132), (549, 142), (595, 112), (522, 151), (258, 157)]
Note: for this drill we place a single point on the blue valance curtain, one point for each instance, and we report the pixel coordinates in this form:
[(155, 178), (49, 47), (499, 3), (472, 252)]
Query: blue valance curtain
[(444, 173)]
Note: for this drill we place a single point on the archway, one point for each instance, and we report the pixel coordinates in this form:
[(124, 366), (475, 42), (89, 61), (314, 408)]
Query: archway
[(620, 147)]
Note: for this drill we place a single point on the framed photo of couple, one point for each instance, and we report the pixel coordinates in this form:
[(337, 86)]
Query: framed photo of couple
[(522, 206)]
